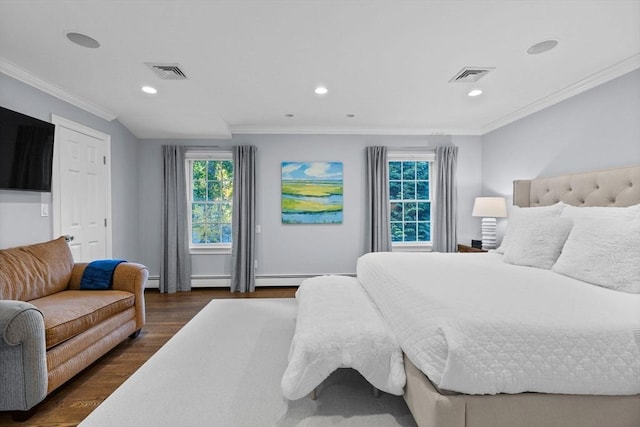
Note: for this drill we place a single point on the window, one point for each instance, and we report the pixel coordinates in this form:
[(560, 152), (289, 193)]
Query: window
[(410, 199), (210, 182)]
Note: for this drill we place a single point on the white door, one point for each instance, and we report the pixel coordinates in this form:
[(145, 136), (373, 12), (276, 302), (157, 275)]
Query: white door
[(81, 190)]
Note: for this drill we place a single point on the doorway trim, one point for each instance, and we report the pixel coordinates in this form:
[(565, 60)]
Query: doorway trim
[(55, 182)]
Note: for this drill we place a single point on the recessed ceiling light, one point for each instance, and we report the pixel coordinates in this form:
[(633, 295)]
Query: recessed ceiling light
[(475, 92), (289, 115), (83, 40), (542, 47), (321, 90), (149, 89), (351, 116)]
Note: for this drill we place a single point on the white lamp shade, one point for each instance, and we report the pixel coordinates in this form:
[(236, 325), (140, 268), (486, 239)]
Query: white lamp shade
[(490, 207)]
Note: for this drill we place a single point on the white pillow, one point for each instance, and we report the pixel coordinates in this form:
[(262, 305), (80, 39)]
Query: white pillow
[(518, 216), (538, 243), (604, 253)]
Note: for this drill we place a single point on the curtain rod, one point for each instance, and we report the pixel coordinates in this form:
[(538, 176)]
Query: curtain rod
[(197, 147), (391, 148)]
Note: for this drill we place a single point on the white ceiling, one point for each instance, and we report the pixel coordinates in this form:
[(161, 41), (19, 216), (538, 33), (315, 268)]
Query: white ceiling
[(249, 63)]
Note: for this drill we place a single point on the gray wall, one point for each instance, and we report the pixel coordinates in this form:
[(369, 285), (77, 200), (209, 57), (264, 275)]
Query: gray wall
[(301, 249), (597, 129), (20, 220)]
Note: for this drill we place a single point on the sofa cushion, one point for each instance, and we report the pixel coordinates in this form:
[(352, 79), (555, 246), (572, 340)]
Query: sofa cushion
[(35, 271), (69, 313)]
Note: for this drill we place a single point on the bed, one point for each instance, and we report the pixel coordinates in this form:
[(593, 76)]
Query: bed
[(577, 364)]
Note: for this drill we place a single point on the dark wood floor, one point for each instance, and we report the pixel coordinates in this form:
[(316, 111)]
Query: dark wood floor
[(166, 314)]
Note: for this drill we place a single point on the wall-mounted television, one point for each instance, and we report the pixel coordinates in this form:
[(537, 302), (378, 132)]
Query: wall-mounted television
[(26, 152)]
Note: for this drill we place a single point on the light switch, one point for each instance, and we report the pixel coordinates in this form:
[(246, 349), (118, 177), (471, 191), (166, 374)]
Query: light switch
[(44, 209)]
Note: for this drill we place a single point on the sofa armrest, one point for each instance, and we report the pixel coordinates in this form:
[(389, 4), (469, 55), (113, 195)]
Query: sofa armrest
[(132, 277), (23, 358), (128, 276)]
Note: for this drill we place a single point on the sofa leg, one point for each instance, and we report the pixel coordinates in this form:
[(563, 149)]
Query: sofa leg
[(135, 334), (22, 416), (376, 392)]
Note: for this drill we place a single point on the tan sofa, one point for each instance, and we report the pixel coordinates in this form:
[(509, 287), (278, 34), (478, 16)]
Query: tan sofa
[(50, 329)]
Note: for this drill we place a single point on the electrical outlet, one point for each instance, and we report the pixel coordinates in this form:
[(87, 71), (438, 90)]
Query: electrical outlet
[(255, 264), (258, 229)]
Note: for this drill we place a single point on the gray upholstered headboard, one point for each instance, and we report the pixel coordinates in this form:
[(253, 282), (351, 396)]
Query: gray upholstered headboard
[(611, 187)]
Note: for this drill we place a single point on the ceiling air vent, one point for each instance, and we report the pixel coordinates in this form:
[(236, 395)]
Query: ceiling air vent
[(167, 71), (470, 74)]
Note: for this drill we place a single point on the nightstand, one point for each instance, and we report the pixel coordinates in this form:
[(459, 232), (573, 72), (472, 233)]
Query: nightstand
[(466, 248)]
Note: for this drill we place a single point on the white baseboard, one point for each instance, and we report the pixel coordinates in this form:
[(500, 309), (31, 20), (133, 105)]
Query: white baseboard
[(225, 281)]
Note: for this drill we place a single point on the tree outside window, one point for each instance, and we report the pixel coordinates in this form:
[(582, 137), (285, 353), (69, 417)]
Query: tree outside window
[(410, 201), (211, 202)]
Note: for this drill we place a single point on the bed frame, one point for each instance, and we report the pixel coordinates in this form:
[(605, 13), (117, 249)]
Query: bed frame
[(432, 407)]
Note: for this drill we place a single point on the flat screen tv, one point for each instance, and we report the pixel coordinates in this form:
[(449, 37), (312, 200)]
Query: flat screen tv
[(26, 152)]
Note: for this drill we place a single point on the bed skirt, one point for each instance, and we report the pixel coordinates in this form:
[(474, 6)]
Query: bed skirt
[(432, 408)]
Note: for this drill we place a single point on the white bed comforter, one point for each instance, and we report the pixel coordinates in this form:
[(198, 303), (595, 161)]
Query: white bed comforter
[(476, 325), (339, 327)]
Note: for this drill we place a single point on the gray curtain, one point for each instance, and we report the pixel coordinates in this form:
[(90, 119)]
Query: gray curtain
[(243, 219), (175, 271), (445, 235), (378, 227)]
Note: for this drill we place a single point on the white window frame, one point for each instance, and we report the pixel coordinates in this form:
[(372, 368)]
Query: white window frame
[(415, 156), (190, 157)]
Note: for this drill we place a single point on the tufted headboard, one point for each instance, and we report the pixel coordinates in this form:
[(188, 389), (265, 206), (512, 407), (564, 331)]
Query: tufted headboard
[(611, 187)]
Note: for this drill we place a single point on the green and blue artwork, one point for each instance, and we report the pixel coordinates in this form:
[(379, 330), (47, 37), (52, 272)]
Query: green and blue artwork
[(312, 193)]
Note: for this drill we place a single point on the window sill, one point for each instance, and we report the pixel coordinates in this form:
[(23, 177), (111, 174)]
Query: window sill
[(411, 248), (218, 250)]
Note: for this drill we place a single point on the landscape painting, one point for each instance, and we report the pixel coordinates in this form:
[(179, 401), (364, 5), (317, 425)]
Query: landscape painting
[(312, 193)]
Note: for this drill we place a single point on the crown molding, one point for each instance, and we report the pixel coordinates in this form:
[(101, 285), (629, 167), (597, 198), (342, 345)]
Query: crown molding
[(619, 69), (25, 76), (248, 130)]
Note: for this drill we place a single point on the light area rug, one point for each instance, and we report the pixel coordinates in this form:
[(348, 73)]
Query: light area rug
[(224, 367)]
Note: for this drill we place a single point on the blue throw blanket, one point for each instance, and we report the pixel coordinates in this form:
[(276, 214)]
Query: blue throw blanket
[(99, 274)]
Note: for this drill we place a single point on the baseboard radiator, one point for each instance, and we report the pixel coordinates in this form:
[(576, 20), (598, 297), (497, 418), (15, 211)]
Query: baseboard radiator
[(270, 280)]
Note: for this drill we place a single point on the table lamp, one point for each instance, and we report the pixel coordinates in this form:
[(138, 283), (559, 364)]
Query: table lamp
[(489, 208)]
